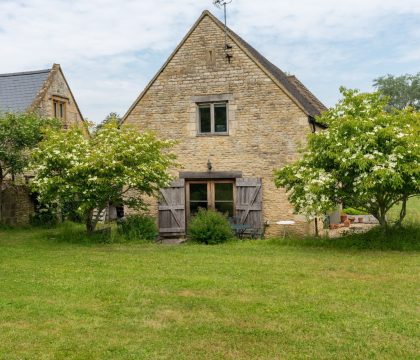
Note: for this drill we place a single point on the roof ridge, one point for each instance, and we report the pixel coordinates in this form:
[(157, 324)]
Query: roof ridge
[(305, 100), (301, 99), (25, 73)]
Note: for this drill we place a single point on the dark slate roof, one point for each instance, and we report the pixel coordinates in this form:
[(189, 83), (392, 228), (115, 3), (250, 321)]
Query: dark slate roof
[(307, 100), (18, 90)]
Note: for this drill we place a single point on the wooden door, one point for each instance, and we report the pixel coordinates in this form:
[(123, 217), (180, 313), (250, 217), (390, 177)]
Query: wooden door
[(249, 201), (172, 209)]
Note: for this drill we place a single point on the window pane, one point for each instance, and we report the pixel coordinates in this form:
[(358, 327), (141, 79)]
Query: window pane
[(205, 120), (223, 191), (194, 206), (55, 109), (220, 123), (225, 208), (198, 192), (61, 110)]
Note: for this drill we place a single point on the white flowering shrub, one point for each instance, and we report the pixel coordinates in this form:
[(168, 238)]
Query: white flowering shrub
[(367, 158), (94, 171)]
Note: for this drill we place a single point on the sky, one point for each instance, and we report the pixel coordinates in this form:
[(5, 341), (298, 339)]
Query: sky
[(109, 50)]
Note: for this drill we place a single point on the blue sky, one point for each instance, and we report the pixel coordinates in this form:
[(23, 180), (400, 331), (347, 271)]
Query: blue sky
[(109, 50)]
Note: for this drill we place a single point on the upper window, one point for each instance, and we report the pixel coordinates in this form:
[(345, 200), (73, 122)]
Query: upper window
[(59, 109), (212, 118)]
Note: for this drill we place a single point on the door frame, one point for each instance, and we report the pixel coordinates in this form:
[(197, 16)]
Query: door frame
[(210, 193)]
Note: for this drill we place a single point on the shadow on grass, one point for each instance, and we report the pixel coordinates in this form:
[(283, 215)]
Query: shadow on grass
[(399, 239)]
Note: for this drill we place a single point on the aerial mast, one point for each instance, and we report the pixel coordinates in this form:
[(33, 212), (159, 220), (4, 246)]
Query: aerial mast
[(219, 4)]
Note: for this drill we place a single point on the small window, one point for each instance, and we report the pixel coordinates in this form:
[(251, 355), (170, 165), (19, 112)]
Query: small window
[(59, 109), (212, 118)]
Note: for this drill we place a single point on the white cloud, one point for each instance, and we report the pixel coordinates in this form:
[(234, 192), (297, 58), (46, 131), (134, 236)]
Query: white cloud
[(110, 49)]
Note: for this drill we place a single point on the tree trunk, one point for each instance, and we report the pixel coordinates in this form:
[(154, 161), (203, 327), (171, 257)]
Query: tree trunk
[(382, 218), (316, 227), (403, 212), (90, 224)]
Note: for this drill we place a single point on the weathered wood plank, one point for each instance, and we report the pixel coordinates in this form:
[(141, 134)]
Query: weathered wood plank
[(249, 201), (171, 208)]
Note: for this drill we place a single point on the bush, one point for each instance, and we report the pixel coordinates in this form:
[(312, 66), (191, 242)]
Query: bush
[(45, 215), (69, 212), (398, 239), (352, 211), (135, 227), (209, 227)]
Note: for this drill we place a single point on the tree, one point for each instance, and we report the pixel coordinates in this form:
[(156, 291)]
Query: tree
[(367, 158), (96, 171), (112, 117), (19, 133), (403, 91)]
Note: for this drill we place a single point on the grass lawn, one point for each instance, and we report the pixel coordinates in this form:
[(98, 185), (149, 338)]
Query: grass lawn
[(242, 300)]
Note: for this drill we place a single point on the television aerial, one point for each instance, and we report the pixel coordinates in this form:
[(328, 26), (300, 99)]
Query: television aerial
[(219, 4)]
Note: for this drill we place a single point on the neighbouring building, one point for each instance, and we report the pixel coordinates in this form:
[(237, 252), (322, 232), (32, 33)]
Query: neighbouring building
[(237, 117), (47, 93)]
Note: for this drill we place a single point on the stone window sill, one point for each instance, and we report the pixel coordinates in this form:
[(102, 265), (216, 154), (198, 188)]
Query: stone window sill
[(212, 134)]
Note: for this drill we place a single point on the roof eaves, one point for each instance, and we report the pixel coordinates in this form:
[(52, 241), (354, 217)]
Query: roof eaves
[(71, 93)]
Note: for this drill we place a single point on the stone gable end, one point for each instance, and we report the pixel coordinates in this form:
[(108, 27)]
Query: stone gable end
[(266, 127), (57, 88)]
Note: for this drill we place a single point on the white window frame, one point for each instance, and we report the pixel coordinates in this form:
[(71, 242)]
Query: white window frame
[(212, 119)]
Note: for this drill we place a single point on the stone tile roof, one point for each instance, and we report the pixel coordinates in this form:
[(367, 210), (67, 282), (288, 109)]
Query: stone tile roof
[(19, 90), (310, 97)]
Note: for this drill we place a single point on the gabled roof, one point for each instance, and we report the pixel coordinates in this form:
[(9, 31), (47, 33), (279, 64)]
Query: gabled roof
[(23, 91), (18, 90), (313, 101), (306, 100)]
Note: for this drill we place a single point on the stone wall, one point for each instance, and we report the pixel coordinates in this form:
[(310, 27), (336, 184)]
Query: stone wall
[(266, 128), (17, 206)]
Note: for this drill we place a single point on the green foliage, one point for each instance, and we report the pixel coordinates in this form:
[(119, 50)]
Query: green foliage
[(403, 91), (209, 227), (397, 239), (69, 211), (19, 133), (45, 216), (351, 211), (368, 158), (138, 227), (96, 171), (111, 118)]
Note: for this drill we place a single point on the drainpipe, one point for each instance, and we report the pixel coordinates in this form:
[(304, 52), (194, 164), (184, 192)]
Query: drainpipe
[(311, 121)]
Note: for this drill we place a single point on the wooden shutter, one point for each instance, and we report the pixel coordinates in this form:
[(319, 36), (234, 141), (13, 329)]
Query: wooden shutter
[(249, 201), (172, 209)]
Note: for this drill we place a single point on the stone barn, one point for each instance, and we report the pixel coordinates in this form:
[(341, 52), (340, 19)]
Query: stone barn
[(237, 117)]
